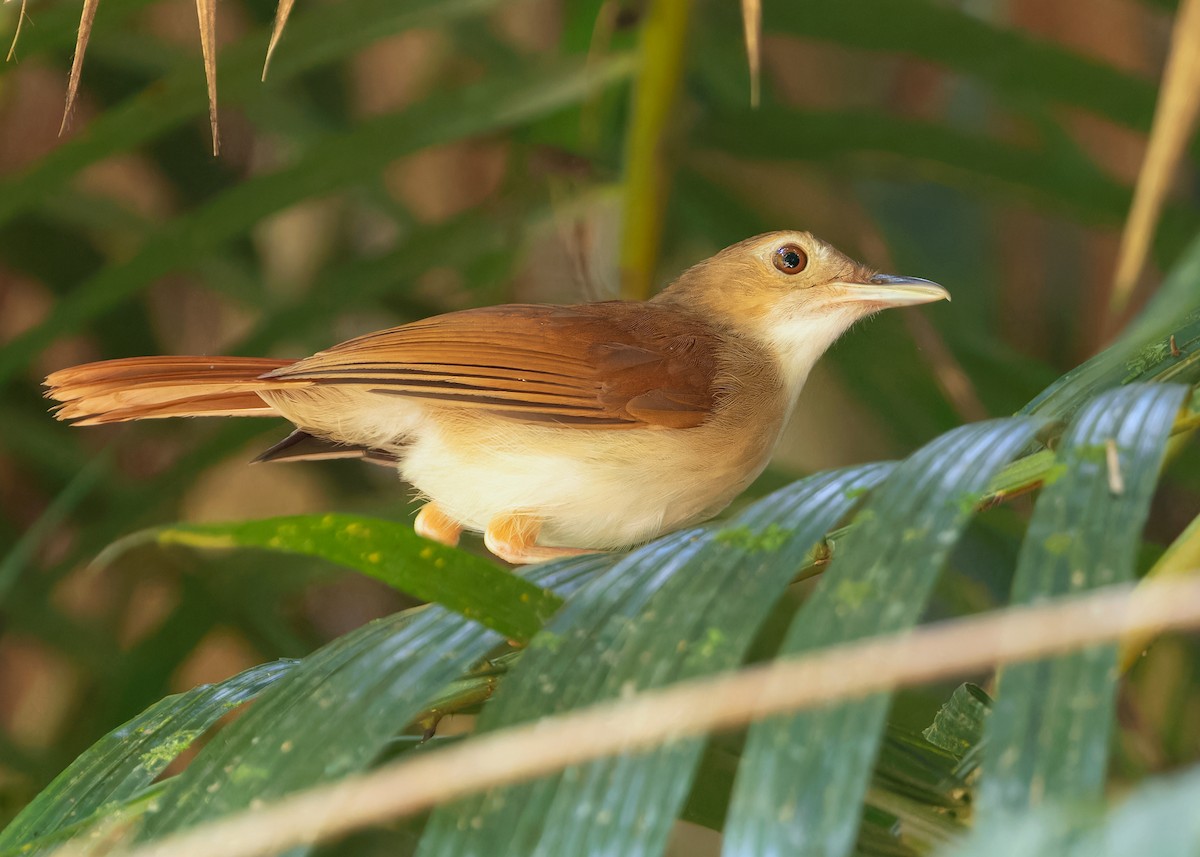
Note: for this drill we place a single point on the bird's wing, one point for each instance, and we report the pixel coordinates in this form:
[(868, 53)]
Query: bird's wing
[(615, 364)]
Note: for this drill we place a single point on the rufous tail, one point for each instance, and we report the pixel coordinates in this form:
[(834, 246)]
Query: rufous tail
[(139, 388)]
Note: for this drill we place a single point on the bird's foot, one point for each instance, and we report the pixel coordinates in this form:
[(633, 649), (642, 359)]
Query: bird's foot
[(433, 523), (513, 538)]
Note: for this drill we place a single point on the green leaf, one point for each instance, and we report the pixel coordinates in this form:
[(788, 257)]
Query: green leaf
[(877, 583), (125, 508), (958, 725), (1047, 737), (914, 783), (921, 774), (1143, 352), (1159, 817), (127, 760), (1007, 60), (662, 615), (389, 552), (84, 482), (338, 708), (336, 162), (1055, 177)]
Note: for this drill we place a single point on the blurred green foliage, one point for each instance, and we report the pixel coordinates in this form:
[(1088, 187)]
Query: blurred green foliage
[(408, 157)]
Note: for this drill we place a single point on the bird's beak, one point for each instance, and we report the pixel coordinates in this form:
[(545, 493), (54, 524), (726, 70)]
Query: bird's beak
[(888, 290)]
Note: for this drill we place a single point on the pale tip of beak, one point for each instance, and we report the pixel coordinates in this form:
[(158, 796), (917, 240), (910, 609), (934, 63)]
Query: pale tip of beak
[(893, 291)]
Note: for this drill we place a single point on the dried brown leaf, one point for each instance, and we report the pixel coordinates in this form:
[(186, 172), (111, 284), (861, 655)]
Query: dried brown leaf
[(86, 19), (206, 14), (1174, 120), (752, 31), (282, 11), (17, 34)]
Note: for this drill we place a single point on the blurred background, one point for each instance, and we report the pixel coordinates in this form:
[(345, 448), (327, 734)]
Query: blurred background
[(408, 158)]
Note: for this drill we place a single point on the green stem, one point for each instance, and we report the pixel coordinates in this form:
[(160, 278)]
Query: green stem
[(664, 36)]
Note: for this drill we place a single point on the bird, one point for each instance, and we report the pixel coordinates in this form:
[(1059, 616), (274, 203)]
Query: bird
[(553, 430)]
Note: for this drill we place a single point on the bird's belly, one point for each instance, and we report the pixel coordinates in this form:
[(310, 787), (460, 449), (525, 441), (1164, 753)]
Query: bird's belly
[(591, 489)]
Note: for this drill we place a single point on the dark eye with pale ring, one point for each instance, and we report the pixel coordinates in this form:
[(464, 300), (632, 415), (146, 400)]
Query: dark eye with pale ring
[(791, 259)]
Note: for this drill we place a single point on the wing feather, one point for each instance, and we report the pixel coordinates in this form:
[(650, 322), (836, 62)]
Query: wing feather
[(607, 365)]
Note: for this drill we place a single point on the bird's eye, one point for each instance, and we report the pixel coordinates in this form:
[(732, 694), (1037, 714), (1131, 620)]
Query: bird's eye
[(791, 259)]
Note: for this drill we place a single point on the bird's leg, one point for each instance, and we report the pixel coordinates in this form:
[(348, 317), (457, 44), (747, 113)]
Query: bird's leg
[(513, 538), (433, 523)]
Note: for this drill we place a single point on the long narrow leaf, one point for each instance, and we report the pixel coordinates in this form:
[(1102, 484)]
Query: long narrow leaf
[(1008, 60), (128, 759), (390, 552), (1057, 177), (1158, 818), (1144, 351), (687, 606), (1174, 120), (338, 708), (800, 787), (1047, 737), (547, 681), (83, 483)]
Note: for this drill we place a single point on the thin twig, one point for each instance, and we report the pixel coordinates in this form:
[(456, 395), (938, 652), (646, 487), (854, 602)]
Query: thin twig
[(688, 709)]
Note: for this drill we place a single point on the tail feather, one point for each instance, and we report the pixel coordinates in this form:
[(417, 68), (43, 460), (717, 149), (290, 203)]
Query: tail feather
[(302, 446), (138, 388)]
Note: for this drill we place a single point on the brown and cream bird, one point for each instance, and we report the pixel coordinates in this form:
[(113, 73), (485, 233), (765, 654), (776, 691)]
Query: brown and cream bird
[(550, 429)]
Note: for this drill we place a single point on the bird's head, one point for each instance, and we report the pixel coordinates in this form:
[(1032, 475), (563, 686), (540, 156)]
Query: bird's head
[(793, 293)]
